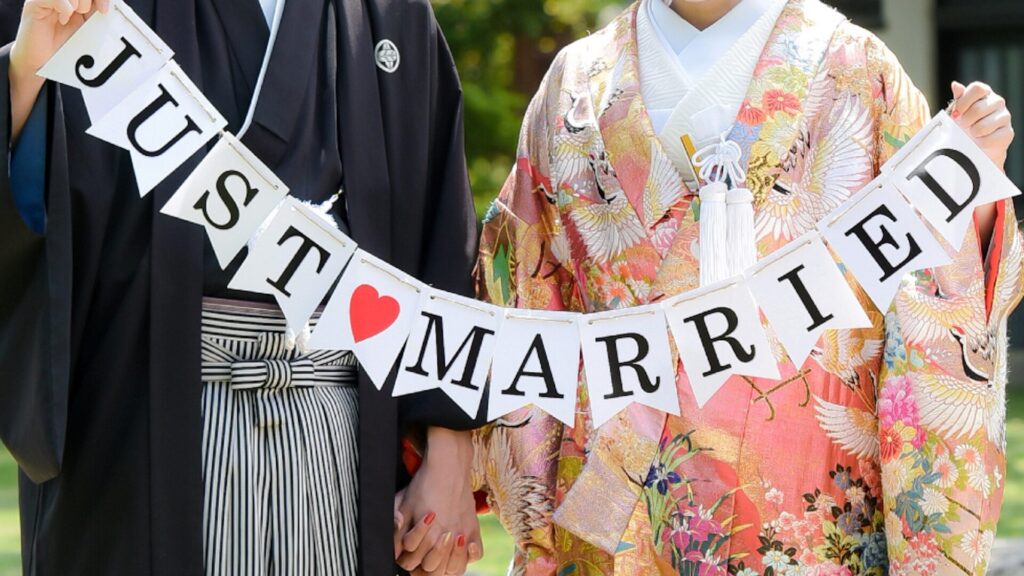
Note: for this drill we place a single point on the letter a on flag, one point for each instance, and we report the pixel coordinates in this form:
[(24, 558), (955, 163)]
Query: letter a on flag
[(538, 363)]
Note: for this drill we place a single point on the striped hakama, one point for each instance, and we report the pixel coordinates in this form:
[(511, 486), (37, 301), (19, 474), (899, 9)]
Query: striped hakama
[(279, 449)]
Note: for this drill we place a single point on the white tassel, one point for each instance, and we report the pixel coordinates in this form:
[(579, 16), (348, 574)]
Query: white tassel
[(713, 233), (298, 342), (742, 251)]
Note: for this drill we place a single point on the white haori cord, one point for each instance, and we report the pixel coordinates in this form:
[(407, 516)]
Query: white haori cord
[(727, 243)]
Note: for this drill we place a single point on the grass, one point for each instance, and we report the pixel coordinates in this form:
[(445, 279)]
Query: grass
[(499, 546)]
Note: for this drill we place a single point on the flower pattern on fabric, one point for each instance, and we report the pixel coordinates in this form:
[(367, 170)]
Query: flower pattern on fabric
[(882, 454)]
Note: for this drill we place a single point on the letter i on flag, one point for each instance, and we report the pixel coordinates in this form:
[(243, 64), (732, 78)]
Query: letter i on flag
[(803, 293), (719, 334), (296, 260), (450, 347), (945, 175), (108, 58), (538, 363), (230, 194), (880, 239), (162, 123), (371, 313), (627, 359)]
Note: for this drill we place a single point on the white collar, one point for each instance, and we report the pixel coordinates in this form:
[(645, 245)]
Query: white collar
[(698, 50), (275, 26)]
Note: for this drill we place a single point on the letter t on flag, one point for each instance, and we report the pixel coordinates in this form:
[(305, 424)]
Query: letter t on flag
[(538, 363), (627, 359), (803, 293), (880, 239), (450, 347), (295, 260)]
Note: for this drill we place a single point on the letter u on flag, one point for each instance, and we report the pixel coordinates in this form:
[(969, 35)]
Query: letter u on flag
[(450, 347), (537, 362), (718, 333), (627, 359), (162, 123)]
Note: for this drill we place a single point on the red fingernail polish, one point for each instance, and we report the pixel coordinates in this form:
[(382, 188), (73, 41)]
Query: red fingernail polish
[(956, 114), (461, 540), (429, 518)]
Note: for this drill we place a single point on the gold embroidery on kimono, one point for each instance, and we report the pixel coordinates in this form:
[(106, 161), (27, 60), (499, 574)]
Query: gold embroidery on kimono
[(882, 454)]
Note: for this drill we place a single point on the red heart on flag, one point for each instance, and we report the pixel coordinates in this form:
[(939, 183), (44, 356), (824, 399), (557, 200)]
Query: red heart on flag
[(370, 313)]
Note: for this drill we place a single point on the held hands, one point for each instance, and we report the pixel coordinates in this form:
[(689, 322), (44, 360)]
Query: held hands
[(983, 114), (436, 527), (45, 26)]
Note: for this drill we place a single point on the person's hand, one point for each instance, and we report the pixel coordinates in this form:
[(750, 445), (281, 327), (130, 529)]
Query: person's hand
[(45, 26), (437, 530), (983, 114)]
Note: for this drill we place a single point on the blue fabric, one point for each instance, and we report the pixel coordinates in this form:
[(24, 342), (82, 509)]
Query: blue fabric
[(28, 169)]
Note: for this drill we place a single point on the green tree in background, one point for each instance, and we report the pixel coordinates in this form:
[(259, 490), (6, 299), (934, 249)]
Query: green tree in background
[(502, 49)]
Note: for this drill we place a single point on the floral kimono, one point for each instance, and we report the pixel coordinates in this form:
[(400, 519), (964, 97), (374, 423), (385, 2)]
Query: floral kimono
[(882, 453)]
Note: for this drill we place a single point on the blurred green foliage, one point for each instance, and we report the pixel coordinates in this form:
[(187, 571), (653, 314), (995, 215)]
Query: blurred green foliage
[(502, 49)]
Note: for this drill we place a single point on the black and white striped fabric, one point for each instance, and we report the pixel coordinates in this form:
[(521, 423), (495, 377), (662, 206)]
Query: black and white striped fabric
[(279, 450)]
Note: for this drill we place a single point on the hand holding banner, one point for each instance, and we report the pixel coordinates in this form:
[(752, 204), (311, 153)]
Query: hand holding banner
[(627, 359), (803, 293), (719, 334), (108, 58), (538, 363), (450, 347), (162, 124), (371, 313), (230, 194), (295, 260), (880, 239)]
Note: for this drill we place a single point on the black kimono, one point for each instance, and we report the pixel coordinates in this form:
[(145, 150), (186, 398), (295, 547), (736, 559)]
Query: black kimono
[(99, 316)]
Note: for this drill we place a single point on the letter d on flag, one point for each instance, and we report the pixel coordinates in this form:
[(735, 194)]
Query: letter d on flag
[(946, 176)]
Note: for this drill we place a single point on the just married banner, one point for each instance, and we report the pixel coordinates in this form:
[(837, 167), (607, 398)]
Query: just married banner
[(908, 219)]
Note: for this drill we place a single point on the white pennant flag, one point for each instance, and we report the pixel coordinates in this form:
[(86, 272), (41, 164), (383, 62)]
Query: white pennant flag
[(162, 123), (108, 58), (945, 175), (627, 359), (371, 313), (450, 347), (296, 260), (230, 194), (880, 239), (539, 364), (803, 293), (718, 334)]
